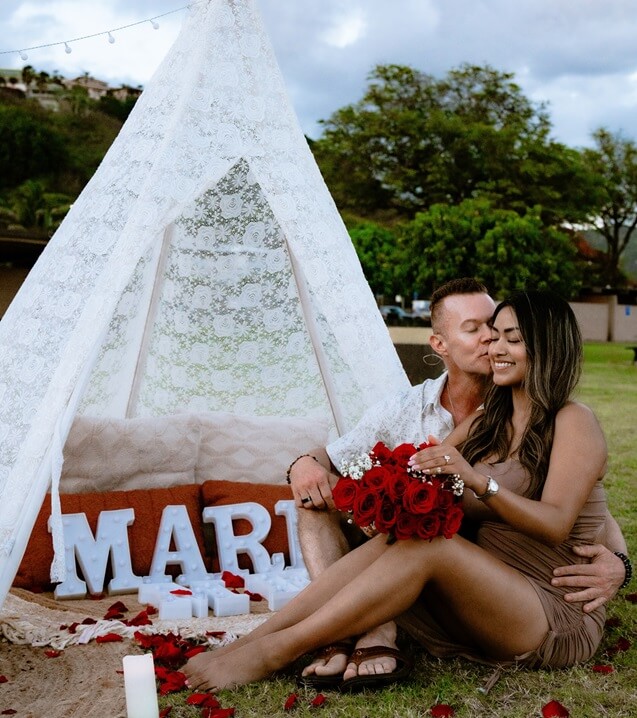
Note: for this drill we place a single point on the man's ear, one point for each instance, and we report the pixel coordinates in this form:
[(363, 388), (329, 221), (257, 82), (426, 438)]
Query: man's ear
[(437, 343)]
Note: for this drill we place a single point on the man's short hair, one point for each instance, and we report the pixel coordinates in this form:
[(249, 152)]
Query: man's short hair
[(464, 285)]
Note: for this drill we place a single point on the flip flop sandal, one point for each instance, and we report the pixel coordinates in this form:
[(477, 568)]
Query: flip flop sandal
[(376, 680), (326, 653)]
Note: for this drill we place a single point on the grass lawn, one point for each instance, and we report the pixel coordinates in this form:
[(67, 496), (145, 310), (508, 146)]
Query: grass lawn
[(609, 386)]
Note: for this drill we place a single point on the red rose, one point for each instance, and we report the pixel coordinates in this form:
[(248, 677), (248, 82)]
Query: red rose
[(452, 520), (365, 506), (420, 497), (401, 455), (397, 483), (344, 493), (428, 526), (382, 453), (446, 499), (375, 478), (405, 526), (386, 517)]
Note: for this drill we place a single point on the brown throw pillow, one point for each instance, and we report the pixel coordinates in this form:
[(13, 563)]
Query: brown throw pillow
[(148, 505)]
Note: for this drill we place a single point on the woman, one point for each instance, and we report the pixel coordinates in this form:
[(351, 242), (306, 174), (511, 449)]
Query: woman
[(532, 463)]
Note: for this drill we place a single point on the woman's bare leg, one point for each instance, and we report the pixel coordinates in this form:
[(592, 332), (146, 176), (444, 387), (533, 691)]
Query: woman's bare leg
[(316, 594), (496, 607)]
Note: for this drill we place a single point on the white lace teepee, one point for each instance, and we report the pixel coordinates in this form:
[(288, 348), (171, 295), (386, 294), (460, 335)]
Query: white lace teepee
[(203, 268)]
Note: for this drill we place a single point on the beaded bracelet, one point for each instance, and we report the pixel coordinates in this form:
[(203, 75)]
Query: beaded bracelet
[(628, 568), (298, 458)]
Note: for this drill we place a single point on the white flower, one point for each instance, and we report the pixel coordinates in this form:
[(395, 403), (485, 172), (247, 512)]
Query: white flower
[(356, 466)]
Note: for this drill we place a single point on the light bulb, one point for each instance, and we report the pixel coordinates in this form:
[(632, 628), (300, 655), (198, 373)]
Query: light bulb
[(23, 55), (67, 48), (111, 39), (155, 24)]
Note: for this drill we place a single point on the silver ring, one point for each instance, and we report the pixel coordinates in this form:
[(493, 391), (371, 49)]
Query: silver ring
[(439, 470), (306, 500), (447, 458)]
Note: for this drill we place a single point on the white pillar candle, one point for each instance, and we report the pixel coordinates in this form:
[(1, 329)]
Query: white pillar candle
[(139, 683)]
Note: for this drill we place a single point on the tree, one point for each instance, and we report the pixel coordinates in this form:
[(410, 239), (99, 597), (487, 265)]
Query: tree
[(30, 147), (413, 141), (377, 250), (614, 160), (503, 249)]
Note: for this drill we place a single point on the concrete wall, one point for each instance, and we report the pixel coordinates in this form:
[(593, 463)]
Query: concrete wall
[(605, 320)]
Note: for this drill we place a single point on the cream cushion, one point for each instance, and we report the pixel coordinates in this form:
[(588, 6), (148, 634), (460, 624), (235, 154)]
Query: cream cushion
[(103, 454)]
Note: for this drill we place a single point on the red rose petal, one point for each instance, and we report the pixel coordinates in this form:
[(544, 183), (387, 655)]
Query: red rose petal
[(141, 619), (89, 621), (73, 627), (119, 607), (195, 651), (613, 622), (254, 596), (109, 638), (165, 712), (206, 700), (232, 580), (181, 592), (631, 597), (318, 700), (290, 702), (621, 644), (4, 679), (442, 710), (113, 615), (52, 653), (215, 634), (175, 681), (554, 709), (603, 669), (217, 713), (8, 712)]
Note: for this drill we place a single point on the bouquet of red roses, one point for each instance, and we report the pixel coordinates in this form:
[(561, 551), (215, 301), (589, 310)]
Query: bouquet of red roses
[(384, 495)]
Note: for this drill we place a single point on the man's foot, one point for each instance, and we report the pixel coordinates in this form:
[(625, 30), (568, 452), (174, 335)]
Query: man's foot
[(327, 666), (384, 635), (376, 657), (376, 661)]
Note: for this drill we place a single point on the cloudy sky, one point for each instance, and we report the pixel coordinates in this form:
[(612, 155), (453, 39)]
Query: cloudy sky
[(579, 56)]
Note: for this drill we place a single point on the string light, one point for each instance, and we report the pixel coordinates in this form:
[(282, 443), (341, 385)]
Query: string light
[(109, 33)]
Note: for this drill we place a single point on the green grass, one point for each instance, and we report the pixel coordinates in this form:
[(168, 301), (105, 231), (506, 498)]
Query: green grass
[(609, 386)]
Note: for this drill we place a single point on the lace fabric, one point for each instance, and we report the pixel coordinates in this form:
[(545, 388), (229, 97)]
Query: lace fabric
[(204, 267)]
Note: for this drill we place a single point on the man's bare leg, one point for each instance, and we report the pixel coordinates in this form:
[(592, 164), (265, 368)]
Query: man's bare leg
[(323, 542)]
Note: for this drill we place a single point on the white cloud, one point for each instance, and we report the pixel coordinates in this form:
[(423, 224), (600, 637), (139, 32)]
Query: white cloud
[(346, 29)]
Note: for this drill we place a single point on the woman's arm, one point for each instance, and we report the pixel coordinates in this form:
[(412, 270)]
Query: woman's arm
[(577, 461)]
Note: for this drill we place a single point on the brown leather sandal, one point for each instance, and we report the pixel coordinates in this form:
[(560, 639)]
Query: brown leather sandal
[(377, 680), (326, 653)]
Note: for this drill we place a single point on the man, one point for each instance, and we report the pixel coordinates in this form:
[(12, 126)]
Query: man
[(460, 314)]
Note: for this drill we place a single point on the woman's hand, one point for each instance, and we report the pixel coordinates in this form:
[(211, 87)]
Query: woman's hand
[(442, 458)]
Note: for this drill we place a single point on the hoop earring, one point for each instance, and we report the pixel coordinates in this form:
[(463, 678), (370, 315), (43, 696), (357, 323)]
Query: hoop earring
[(432, 360)]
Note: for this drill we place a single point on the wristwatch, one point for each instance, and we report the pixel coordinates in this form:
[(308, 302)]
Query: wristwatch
[(492, 489)]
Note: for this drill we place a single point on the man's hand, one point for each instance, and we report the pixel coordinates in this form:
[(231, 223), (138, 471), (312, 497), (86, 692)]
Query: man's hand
[(312, 482), (598, 580)]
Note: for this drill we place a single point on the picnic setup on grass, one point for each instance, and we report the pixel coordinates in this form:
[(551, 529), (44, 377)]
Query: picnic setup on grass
[(199, 319)]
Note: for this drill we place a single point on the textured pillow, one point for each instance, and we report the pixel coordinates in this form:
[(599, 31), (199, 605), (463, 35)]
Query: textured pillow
[(148, 505), (124, 454), (254, 449), (223, 493)]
